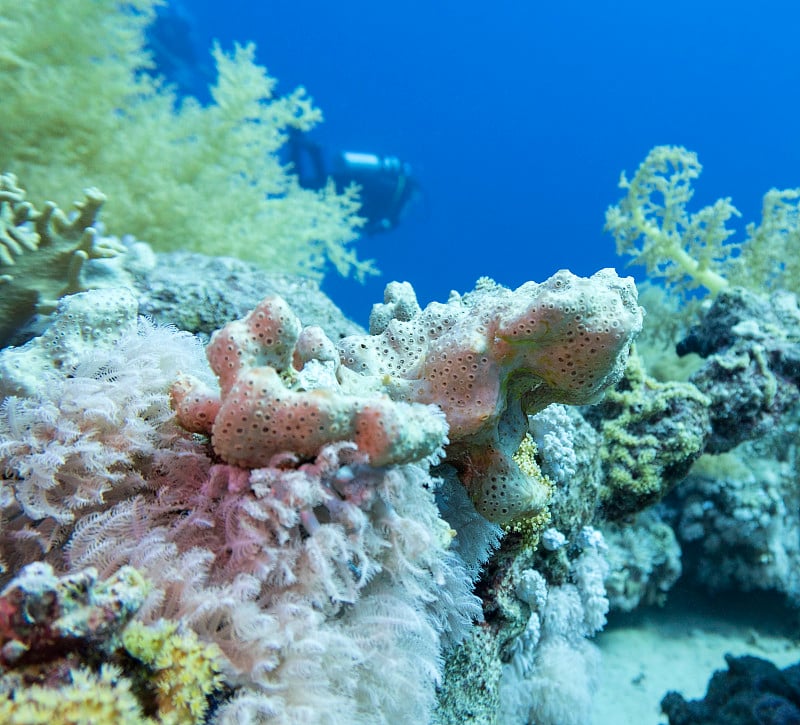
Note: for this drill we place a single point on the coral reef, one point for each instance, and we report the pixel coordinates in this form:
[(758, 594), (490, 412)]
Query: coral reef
[(71, 653), (201, 294), (486, 360), (304, 522), (553, 667), (313, 539), (286, 389), (738, 521), (752, 370), (45, 618), (329, 568), (347, 553), (326, 525), (43, 253), (644, 561), (737, 511)]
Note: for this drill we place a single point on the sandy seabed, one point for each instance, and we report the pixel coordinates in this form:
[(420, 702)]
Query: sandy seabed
[(679, 646)]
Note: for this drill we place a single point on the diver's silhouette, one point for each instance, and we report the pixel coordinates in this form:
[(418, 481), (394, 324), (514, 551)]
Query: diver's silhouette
[(386, 184)]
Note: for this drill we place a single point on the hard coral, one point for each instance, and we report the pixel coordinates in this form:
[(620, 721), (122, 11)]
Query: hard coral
[(42, 252)]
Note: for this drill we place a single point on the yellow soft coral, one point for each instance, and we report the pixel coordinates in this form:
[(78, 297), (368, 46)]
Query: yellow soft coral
[(78, 112), (184, 671), (652, 224), (688, 250)]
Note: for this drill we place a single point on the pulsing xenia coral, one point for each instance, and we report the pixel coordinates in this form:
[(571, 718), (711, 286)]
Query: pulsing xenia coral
[(330, 571), (82, 404)]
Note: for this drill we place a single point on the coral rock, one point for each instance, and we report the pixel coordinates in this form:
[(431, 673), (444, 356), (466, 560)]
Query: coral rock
[(42, 616)]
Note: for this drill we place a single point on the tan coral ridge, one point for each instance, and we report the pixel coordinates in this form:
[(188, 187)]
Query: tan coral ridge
[(486, 360), (42, 253)]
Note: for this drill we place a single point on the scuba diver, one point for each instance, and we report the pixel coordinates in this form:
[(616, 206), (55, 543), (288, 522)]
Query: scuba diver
[(386, 186)]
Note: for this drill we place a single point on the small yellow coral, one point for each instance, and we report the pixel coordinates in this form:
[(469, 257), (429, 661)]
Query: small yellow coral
[(525, 458), (185, 671), (88, 699), (531, 527)]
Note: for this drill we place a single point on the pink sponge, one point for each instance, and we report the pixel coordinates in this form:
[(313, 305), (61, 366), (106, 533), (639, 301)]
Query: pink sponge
[(491, 357), (267, 407), (478, 366)]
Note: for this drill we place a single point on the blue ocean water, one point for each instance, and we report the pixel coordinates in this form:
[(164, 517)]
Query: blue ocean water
[(518, 117)]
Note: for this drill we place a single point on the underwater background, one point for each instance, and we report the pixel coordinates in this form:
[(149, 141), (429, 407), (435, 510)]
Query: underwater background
[(518, 117), (564, 497)]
